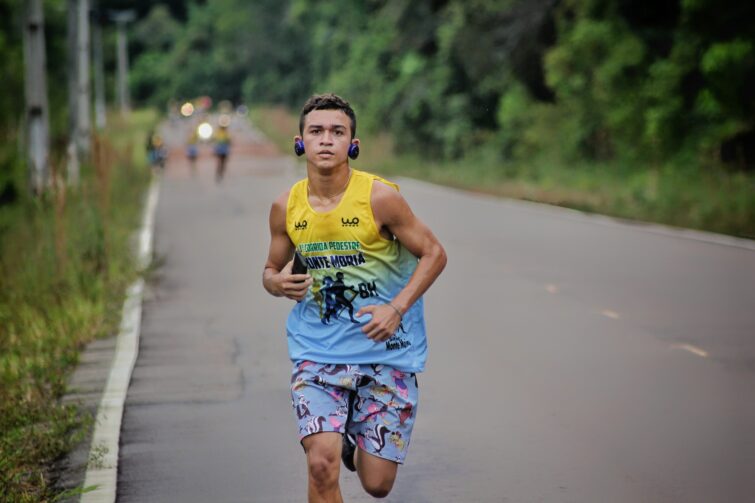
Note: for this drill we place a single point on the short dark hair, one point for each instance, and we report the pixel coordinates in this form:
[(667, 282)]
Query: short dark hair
[(328, 101)]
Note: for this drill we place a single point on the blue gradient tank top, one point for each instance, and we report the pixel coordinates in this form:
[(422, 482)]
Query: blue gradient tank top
[(352, 266)]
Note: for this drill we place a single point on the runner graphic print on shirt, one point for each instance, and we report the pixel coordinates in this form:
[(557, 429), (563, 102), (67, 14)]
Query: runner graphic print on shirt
[(334, 294)]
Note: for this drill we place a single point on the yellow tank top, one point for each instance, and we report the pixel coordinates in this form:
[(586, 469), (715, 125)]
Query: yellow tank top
[(222, 136), (352, 265)]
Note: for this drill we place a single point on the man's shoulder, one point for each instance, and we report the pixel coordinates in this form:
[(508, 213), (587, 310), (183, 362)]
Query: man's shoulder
[(388, 205), (384, 193), (285, 196), (298, 185), (377, 180), (279, 207)]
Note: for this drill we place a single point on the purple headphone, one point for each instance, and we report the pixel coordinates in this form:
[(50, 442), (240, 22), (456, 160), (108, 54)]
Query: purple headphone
[(299, 149)]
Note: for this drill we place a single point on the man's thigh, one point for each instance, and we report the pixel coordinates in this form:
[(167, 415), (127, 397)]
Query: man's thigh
[(320, 395), (375, 471), (326, 444), (383, 412)]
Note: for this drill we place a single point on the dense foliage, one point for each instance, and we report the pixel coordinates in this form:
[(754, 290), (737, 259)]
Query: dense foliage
[(643, 81), (65, 261)]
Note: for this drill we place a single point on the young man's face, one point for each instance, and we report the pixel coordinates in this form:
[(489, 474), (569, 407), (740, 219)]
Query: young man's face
[(327, 136)]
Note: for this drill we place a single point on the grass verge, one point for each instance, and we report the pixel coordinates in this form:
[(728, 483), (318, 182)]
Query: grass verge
[(65, 262), (707, 199)]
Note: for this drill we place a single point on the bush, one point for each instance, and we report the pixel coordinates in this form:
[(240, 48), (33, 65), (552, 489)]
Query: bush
[(65, 261)]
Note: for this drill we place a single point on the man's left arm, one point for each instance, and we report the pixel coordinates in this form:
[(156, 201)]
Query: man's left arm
[(393, 215)]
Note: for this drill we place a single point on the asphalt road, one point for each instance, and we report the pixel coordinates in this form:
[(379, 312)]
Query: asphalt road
[(572, 358)]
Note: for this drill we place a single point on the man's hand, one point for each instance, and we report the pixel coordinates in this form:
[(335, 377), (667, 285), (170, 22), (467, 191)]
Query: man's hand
[(293, 286), (384, 323)]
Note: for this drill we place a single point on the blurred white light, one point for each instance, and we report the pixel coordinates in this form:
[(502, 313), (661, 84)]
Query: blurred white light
[(205, 131)]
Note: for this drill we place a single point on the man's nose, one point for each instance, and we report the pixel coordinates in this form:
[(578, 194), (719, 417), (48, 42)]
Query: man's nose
[(327, 137)]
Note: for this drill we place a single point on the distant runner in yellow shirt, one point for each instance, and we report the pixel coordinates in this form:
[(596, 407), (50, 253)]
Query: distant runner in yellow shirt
[(192, 149), (222, 149)]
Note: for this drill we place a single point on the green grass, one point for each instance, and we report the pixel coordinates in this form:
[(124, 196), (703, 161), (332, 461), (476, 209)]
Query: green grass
[(278, 124), (65, 261), (685, 196)]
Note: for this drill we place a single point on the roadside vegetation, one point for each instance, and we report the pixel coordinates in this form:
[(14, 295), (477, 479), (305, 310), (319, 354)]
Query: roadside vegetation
[(640, 109), (65, 261), (684, 196)]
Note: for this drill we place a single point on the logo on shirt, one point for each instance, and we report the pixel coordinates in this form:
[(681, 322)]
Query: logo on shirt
[(397, 342), (354, 222), (300, 226)]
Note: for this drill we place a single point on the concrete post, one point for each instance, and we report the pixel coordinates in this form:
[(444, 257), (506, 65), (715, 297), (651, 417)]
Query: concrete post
[(83, 136), (99, 74), (72, 155), (37, 114), (121, 18)]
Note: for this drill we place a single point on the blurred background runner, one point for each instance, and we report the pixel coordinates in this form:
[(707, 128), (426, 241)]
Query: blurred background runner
[(222, 146), (156, 151), (192, 149)]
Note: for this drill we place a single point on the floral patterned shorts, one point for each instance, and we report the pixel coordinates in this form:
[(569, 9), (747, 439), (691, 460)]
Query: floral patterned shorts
[(376, 404)]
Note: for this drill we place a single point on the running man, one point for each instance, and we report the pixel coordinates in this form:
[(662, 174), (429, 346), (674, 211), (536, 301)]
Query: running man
[(353, 385), (192, 149), (156, 151), (222, 149)]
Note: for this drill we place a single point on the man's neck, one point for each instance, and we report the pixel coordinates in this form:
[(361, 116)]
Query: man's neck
[(325, 187), (326, 182)]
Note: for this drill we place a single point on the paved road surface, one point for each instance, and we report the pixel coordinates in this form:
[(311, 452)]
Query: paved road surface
[(572, 358)]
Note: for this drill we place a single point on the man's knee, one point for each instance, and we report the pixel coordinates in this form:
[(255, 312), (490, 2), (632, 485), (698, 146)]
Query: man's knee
[(377, 480), (378, 489), (322, 471), (323, 464)]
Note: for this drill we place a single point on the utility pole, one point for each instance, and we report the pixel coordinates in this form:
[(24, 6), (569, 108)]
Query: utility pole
[(79, 109), (84, 122), (72, 165), (99, 73), (37, 115), (121, 18)]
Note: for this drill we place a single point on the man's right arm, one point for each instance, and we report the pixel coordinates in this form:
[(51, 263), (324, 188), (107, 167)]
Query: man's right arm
[(277, 278)]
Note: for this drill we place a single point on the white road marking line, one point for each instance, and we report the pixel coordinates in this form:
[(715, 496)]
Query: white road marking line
[(102, 469), (551, 288), (692, 349), (610, 314)]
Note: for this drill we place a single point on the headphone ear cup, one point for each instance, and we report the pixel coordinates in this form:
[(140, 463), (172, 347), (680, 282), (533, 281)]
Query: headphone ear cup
[(299, 147), (353, 150)]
